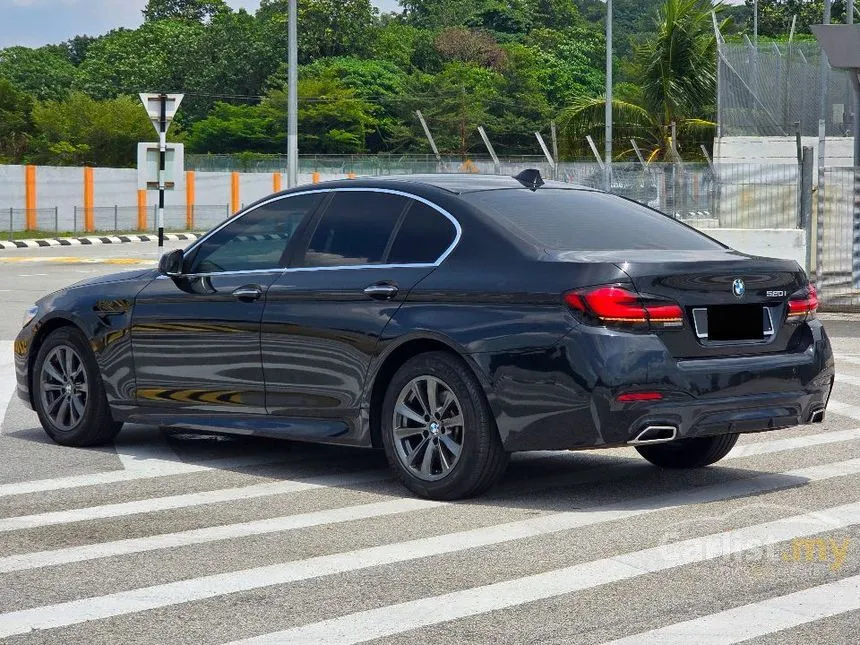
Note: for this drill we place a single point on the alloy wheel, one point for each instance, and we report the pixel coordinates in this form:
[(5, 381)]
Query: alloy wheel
[(64, 387), (428, 428)]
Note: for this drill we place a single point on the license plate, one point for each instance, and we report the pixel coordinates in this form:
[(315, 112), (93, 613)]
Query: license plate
[(733, 322)]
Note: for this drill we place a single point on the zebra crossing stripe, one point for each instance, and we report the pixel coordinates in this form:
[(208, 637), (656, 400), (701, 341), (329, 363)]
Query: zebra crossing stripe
[(396, 619), (187, 500), (554, 583), (345, 514), (162, 468), (757, 619)]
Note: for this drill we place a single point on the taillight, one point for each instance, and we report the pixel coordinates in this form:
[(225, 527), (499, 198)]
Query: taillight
[(803, 304), (616, 306)]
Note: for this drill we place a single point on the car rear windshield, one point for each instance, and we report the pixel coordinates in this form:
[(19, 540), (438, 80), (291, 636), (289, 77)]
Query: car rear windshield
[(574, 220)]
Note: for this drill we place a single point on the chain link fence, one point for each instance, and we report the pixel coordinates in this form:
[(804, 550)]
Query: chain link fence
[(766, 90)]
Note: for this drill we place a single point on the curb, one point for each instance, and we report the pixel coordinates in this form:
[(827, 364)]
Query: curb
[(88, 241)]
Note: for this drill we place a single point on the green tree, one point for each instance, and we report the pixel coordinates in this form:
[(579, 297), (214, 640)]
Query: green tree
[(192, 10), (382, 85), (678, 84), (80, 130), (232, 128), (328, 27), (774, 16), (43, 73), (156, 57), (456, 101), (16, 122)]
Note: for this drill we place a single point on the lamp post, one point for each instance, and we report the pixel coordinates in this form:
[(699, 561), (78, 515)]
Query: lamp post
[(607, 167), (292, 97)]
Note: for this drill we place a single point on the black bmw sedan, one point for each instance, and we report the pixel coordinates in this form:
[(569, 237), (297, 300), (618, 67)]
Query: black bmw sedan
[(449, 320)]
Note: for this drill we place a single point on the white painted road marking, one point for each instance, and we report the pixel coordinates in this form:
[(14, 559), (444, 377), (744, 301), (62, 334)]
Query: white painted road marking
[(396, 619), (757, 619), (291, 522), (8, 384), (187, 500), (174, 593)]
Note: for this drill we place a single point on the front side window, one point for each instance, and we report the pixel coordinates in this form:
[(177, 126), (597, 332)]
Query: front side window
[(257, 240), (355, 229)]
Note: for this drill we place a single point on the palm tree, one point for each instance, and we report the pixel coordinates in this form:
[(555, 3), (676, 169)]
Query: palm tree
[(677, 68)]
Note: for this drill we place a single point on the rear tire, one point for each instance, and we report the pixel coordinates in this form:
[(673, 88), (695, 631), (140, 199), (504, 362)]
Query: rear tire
[(689, 453), (437, 429), (68, 392)]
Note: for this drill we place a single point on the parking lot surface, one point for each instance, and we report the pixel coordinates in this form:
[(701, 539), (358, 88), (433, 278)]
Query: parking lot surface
[(173, 537)]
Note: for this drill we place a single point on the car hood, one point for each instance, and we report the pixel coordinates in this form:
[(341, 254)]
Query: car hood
[(122, 276)]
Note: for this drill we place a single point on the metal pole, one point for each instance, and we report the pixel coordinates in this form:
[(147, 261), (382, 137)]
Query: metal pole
[(11, 224), (806, 203), (75, 220), (56, 218), (489, 145), (594, 151), (115, 217), (162, 165), (824, 72), (554, 146), (719, 38), (755, 22), (638, 153), (546, 152), (607, 170), (819, 224), (293, 98), (428, 135)]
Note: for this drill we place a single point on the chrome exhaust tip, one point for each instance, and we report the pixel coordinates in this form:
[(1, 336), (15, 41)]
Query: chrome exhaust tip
[(817, 416), (654, 434)]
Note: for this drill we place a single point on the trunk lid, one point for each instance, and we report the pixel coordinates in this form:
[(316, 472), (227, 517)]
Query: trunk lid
[(721, 286)]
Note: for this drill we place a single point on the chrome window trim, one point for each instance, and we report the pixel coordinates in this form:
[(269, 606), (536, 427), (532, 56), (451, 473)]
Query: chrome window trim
[(388, 191)]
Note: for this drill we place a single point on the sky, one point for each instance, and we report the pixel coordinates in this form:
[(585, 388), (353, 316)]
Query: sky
[(38, 22)]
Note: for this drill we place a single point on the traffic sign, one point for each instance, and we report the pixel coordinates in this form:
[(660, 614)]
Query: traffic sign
[(153, 105)]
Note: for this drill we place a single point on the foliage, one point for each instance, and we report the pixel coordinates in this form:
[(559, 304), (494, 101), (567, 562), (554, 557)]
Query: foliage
[(16, 122), (192, 10), (41, 72), (677, 85), (81, 130), (509, 65), (774, 16)]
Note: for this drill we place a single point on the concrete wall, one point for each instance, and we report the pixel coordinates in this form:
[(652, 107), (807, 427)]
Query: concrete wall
[(838, 151), (59, 196), (789, 244)]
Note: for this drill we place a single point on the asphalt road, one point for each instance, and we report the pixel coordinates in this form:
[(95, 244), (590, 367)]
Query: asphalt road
[(170, 537)]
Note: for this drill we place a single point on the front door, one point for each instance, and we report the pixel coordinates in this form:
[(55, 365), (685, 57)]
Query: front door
[(196, 338)]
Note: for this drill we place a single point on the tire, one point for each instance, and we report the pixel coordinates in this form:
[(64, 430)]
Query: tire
[(689, 453), (85, 419), (465, 421)]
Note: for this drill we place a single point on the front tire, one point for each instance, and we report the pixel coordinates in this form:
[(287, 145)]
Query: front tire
[(437, 429), (69, 394), (689, 453)]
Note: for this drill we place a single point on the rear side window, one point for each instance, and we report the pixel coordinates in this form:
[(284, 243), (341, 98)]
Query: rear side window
[(423, 237), (580, 220), (355, 229)]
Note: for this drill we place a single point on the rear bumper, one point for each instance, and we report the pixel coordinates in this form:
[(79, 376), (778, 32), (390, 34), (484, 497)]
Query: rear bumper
[(566, 398)]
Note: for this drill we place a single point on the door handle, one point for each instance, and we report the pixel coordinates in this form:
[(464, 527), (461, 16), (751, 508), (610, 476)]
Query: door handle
[(248, 292), (382, 291)]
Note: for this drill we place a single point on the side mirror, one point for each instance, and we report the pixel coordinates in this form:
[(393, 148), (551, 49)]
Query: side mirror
[(170, 264)]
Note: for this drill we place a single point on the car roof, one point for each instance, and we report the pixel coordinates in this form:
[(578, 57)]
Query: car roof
[(455, 183)]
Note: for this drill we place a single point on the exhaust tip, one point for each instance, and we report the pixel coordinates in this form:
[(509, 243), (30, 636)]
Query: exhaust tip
[(817, 416), (654, 434)]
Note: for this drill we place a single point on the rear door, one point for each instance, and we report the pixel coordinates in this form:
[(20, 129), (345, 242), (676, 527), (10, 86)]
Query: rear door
[(324, 315), (196, 338)]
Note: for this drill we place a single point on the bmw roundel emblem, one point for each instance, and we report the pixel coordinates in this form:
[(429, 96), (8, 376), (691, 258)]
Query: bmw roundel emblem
[(739, 288)]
